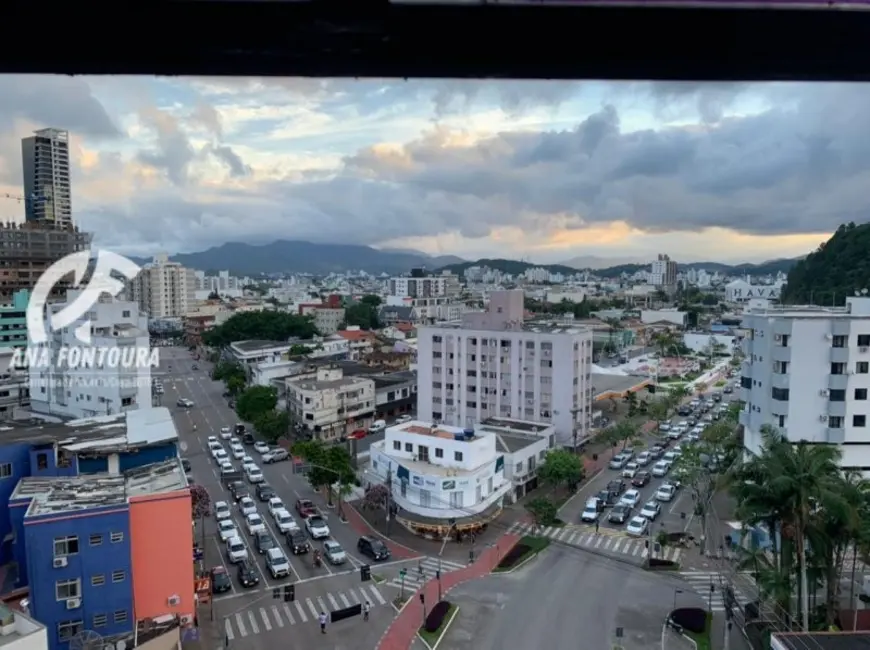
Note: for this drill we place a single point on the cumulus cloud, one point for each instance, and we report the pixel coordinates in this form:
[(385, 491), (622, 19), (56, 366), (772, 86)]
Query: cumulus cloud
[(165, 171)]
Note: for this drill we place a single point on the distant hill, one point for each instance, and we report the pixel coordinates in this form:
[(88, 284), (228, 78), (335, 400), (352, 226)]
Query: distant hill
[(591, 262), (513, 267), (285, 256), (837, 269)]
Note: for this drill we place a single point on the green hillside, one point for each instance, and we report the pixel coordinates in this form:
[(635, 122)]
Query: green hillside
[(837, 269)]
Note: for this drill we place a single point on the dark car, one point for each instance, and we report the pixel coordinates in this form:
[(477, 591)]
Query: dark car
[(264, 541), (641, 479), (728, 390), (220, 580), (684, 411), (265, 492), (195, 367), (620, 514), (232, 403), (607, 497), (657, 451), (305, 508), (616, 485), (248, 576), (237, 486), (185, 464), (248, 439), (373, 548), (297, 542), (239, 429)]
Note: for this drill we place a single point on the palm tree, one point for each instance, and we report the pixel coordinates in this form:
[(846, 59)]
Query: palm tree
[(614, 325), (666, 341), (630, 399)]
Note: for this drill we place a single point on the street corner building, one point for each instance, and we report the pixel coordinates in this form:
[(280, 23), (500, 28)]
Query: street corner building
[(97, 526)]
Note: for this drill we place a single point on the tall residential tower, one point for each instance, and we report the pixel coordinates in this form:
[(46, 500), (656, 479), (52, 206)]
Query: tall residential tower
[(45, 162)]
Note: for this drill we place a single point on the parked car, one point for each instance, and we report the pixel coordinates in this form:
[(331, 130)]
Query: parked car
[(373, 548), (333, 552)]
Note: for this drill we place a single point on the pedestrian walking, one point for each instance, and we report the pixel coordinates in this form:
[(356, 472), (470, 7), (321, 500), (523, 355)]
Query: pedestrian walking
[(596, 526), (322, 619), (366, 609)]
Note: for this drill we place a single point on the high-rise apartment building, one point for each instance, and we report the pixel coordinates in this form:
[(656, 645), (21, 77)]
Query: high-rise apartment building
[(807, 374), (436, 286), (496, 365), (164, 289), (28, 249), (46, 167), (663, 272)]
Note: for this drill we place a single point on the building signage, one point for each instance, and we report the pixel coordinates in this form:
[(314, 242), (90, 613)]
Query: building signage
[(416, 480), (749, 292), (448, 485), (431, 483)]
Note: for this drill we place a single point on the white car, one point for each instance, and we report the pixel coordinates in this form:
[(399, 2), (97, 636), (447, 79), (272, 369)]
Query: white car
[(277, 563), (247, 460), (261, 447), (285, 522), (666, 492), (651, 510), (226, 434), (637, 526), (238, 452), (255, 524), (644, 458), (227, 530), (221, 456), (630, 470), (214, 446), (317, 527), (227, 467), (661, 468), (590, 513), (631, 498), (275, 504), (222, 510), (255, 475), (247, 506), (213, 441), (670, 457), (236, 550)]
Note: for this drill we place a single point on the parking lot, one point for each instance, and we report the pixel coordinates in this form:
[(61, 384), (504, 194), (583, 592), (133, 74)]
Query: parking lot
[(324, 588)]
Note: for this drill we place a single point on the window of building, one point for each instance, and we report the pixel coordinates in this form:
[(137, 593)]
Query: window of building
[(100, 620), (835, 422), (96, 539), (779, 394), (863, 340), (5, 470), (66, 546), (456, 499), (42, 461), (838, 368), (839, 341), (98, 580), (125, 313), (457, 456), (425, 498), (862, 367), (397, 445), (119, 576), (66, 589), (116, 537), (861, 393), (859, 420), (68, 629), (439, 453), (120, 616), (409, 447), (837, 395)]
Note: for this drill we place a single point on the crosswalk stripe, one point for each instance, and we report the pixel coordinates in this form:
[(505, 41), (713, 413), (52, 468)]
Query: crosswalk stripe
[(311, 608), (289, 614), (377, 594), (333, 602), (255, 629), (321, 604), (598, 542), (344, 600), (266, 622), (548, 531), (301, 611), (241, 625), (617, 545), (355, 598), (228, 630)]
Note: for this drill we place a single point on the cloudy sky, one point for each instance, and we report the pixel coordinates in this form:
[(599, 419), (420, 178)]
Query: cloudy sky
[(540, 170)]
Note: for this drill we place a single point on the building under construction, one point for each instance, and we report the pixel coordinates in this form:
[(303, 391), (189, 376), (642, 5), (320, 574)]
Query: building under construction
[(28, 249)]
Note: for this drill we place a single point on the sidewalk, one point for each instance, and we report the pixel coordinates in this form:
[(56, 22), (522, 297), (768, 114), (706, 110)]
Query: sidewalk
[(360, 525), (403, 630)]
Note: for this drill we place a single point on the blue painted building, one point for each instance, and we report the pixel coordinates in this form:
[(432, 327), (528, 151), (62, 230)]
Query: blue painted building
[(13, 321)]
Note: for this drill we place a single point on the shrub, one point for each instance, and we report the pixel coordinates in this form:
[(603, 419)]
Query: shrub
[(435, 618), (693, 619), (658, 562), (513, 556)]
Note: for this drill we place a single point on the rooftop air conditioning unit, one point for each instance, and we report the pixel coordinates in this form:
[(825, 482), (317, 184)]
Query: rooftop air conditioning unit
[(59, 562), (73, 603)]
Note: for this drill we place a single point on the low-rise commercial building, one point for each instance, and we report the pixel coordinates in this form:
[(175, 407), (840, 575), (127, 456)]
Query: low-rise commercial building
[(18, 631), (330, 405)]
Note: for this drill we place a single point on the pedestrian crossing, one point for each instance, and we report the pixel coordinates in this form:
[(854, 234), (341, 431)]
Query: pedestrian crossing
[(606, 540), (258, 620), (700, 582), (417, 575)]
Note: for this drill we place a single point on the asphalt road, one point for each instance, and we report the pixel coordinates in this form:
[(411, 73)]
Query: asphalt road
[(562, 599), (251, 617)]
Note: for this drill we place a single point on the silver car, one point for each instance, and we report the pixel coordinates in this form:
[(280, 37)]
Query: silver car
[(333, 552)]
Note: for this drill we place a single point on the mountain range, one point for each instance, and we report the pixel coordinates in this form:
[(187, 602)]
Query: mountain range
[(291, 256)]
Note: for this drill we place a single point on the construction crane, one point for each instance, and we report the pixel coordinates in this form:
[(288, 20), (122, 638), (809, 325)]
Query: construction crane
[(21, 199)]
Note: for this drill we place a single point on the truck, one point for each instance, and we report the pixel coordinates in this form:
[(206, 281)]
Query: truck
[(228, 478)]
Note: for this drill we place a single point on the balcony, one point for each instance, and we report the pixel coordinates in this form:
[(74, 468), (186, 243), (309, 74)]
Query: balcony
[(780, 380), (781, 353), (836, 436), (839, 355), (837, 409), (743, 418), (838, 382)]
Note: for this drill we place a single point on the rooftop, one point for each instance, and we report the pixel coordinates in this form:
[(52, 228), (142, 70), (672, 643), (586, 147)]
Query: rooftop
[(15, 625), (76, 493), (510, 442), (442, 431), (523, 426), (535, 327), (824, 640), (258, 346), (116, 432), (314, 384), (395, 378)]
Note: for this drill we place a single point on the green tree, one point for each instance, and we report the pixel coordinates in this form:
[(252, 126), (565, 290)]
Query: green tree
[(260, 325), (543, 510), (235, 385), (272, 425), (362, 315), (226, 370), (328, 465), (561, 468), (256, 401), (371, 300)]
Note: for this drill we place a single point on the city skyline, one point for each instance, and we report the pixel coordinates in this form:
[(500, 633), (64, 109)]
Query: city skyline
[(543, 171)]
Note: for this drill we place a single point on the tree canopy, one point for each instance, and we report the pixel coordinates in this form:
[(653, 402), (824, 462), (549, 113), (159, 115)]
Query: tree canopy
[(260, 325), (561, 468), (256, 401), (835, 271), (271, 425), (328, 464), (364, 313)]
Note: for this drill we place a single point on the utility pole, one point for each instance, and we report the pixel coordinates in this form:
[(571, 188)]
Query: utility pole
[(389, 496), (728, 624)]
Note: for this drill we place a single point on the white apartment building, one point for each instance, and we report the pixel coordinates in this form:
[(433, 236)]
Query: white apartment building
[(438, 471), (663, 272), (61, 389), (807, 373), (743, 291), (327, 320), (164, 289), (14, 385), (18, 631), (495, 365), (331, 405), (425, 287)]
